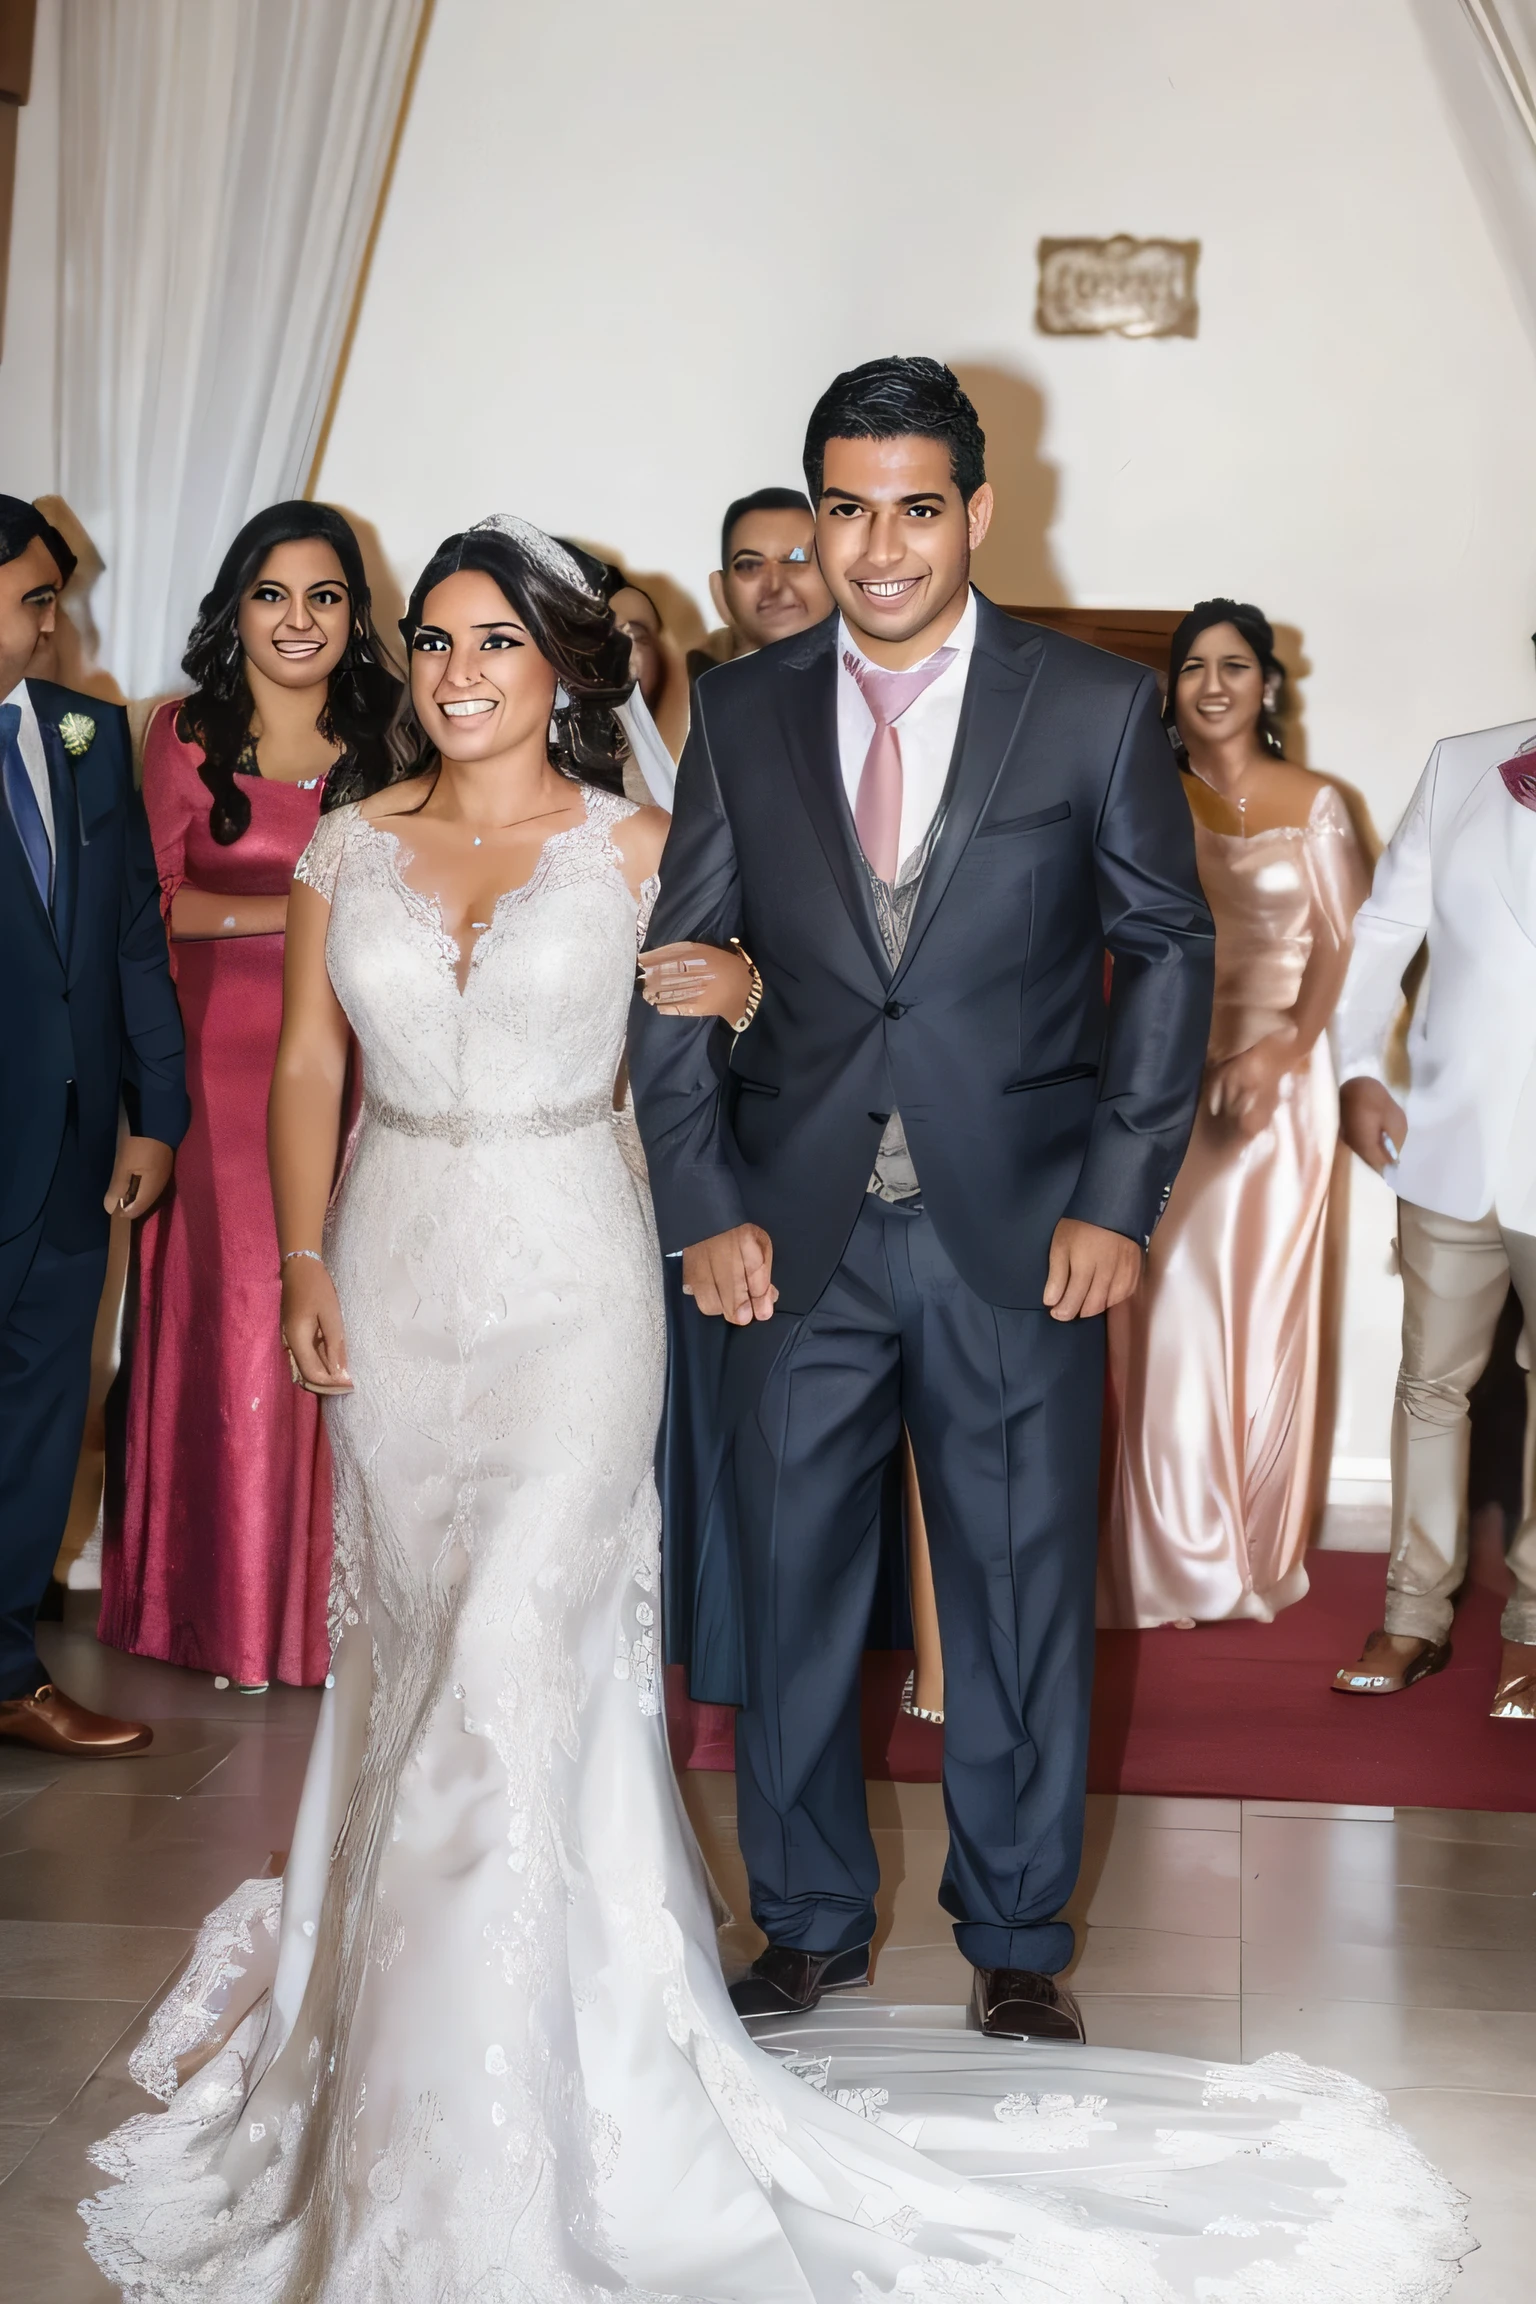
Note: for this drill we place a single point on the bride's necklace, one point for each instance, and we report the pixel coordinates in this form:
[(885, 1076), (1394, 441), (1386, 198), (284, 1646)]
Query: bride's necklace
[(517, 822)]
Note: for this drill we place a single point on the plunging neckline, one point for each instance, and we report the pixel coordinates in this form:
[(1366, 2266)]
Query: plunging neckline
[(427, 904)]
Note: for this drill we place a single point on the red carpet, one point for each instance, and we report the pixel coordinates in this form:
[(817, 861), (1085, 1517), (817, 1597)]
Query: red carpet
[(1245, 1710)]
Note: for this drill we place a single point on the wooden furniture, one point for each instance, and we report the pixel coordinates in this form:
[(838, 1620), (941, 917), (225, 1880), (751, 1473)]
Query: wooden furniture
[(1142, 634)]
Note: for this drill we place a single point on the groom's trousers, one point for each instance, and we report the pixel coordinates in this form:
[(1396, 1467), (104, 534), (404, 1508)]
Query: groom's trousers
[(51, 1279), (1003, 1408)]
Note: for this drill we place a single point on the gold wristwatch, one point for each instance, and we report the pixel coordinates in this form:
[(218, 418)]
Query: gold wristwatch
[(755, 996)]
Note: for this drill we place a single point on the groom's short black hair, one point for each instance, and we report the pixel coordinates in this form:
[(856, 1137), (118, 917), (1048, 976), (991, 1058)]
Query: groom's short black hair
[(20, 522), (889, 399)]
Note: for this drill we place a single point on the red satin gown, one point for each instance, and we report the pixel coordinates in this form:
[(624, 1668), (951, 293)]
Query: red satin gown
[(221, 1557)]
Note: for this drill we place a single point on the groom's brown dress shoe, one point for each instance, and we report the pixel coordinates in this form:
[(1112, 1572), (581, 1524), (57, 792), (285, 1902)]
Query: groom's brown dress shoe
[(54, 1723), (1016, 2004), (785, 1982)]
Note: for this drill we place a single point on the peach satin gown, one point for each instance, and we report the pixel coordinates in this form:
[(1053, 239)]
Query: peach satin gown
[(1214, 1363)]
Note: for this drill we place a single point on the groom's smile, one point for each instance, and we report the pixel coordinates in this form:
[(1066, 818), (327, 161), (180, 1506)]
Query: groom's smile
[(894, 537)]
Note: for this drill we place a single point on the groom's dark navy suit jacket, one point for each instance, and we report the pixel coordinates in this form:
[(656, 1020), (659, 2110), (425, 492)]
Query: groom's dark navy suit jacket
[(1026, 1095), (90, 1009)]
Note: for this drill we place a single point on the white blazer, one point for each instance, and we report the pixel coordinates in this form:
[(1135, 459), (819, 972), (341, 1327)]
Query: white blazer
[(1461, 870)]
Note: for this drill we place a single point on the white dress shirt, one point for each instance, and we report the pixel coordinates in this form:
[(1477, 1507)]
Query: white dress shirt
[(1460, 870), (926, 730), (35, 760)]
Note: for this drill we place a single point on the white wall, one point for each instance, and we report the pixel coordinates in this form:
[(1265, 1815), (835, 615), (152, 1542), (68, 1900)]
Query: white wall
[(626, 245), (28, 450)]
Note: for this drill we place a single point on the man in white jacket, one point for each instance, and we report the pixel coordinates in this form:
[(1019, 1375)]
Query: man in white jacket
[(1461, 1155)]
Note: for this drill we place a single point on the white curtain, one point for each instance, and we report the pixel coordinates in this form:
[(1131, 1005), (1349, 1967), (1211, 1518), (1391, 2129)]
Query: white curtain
[(1484, 55), (221, 168)]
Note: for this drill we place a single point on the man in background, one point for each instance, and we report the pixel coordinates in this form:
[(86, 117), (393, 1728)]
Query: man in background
[(1460, 1152), (91, 1025), (768, 584)]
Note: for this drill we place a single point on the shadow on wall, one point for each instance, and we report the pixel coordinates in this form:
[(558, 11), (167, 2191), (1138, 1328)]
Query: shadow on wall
[(1016, 562), (72, 655), (383, 584)]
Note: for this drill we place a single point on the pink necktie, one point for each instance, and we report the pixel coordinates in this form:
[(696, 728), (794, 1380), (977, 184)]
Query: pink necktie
[(877, 810)]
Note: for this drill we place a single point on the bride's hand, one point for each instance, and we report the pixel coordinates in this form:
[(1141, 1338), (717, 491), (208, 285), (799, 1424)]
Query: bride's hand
[(696, 980), (312, 1327)]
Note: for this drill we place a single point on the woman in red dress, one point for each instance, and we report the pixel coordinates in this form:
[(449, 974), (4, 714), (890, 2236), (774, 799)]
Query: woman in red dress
[(218, 1557)]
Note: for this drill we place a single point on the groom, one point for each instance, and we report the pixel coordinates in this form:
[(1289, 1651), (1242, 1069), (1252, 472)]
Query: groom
[(919, 1178)]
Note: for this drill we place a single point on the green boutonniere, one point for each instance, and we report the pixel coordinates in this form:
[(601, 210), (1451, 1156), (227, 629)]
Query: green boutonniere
[(77, 730)]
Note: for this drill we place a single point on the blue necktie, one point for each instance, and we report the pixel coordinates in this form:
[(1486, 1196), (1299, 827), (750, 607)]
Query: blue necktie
[(22, 802)]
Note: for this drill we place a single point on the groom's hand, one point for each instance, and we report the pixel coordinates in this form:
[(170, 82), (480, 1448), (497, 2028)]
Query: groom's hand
[(1090, 1269), (731, 1274)]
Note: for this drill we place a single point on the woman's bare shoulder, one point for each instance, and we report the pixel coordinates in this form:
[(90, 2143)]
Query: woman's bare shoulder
[(400, 799), (1294, 787)]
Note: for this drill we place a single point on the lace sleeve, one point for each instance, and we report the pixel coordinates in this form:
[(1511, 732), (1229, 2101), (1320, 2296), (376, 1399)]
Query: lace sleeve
[(320, 865), (649, 891)]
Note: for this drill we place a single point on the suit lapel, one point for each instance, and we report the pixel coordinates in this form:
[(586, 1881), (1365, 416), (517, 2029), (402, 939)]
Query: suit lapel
[(807, 705), (10, 838), (66, 833), (1004, 663), (14, 865)]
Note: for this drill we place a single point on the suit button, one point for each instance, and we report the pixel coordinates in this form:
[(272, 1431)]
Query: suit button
[(895, 1008)]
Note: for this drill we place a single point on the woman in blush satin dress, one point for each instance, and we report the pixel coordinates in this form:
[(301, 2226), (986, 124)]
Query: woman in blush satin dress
[(218, 1553), (1214, 1363)]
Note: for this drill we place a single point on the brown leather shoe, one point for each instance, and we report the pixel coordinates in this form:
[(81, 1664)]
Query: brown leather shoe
[(783, 1981), (1017, 2004), (55, 1723)]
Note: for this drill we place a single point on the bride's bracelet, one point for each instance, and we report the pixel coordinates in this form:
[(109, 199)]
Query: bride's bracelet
[(313, 1255), (754, 996)]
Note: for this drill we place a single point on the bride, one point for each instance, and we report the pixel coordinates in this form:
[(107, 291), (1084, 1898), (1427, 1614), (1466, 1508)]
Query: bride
[(475, 2048)]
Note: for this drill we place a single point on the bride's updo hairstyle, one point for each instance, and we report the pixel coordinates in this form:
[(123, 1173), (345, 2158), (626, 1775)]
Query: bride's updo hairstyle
[(556, 595)]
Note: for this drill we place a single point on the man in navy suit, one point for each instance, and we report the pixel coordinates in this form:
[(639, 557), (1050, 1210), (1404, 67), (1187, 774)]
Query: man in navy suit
[(91, 1027), (914, 1185)]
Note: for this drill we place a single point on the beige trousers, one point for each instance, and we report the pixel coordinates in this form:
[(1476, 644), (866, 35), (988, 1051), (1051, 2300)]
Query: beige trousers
[(1455, 1277)]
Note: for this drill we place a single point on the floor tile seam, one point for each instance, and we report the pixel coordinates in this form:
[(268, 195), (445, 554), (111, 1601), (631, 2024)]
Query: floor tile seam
[(79, 1999), (123, 1927), (12, 2173), (1406, 2007), (1303, 1931), (1364, 2000), (1189, 1936), (1120, 1834), (1457, 2088), (1436, 1888), (1092, 1992), (1412, 1831)]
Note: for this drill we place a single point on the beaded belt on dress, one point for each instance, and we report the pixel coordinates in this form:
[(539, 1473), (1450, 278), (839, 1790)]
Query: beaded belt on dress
[(490, 1127)]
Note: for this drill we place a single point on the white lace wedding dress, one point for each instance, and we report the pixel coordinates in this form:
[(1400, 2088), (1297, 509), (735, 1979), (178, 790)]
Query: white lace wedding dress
[(475, 2047)]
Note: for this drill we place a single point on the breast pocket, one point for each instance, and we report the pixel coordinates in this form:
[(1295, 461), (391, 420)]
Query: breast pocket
[(1037, 819)]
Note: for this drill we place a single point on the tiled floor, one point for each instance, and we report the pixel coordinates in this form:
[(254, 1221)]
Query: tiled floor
[(1402, 1948)]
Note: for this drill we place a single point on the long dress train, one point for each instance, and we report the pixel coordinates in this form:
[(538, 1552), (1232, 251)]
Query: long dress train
[(476, 2048)]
